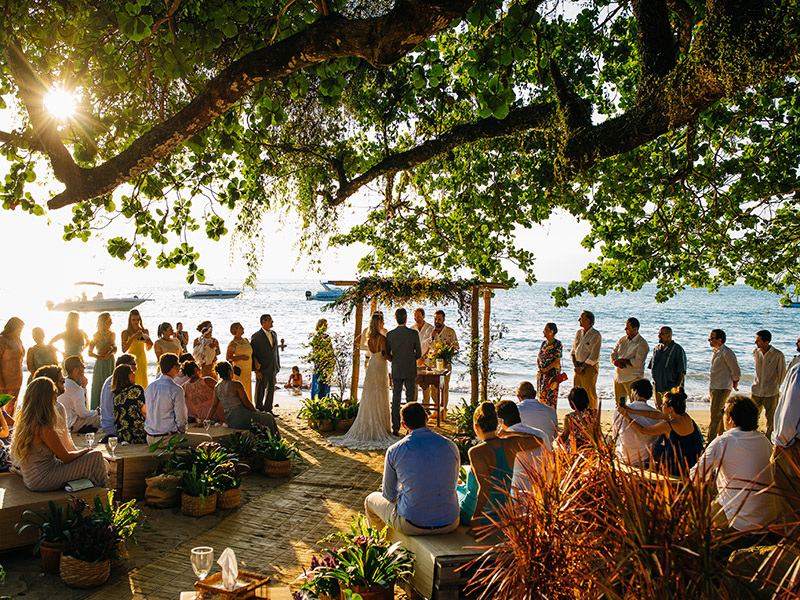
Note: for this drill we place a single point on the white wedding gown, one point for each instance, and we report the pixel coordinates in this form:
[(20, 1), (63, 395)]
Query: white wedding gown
[(371, 429)]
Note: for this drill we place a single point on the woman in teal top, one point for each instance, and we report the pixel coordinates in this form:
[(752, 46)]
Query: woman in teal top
[(491, 465)]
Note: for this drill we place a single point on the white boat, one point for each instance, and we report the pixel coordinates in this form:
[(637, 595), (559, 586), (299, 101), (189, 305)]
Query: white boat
[(97, 303), (331, 292), (212, 293)]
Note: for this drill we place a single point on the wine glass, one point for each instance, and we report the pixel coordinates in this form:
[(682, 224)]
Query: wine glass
[(207, 424), (202, 559), (90, 439), (112, 445)]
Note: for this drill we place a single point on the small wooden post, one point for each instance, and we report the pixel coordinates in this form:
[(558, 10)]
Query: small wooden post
[(473, 354), (487, 311), (356, 353)]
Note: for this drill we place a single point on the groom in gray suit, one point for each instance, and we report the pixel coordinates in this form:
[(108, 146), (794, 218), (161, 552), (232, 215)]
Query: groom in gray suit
[(403, 348)]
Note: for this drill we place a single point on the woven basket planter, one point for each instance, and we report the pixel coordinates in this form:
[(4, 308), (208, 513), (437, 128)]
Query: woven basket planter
[(372, 592), (81, 574), (277, 468), (197, 506), (321, 425), (229, 498), (345, 425)]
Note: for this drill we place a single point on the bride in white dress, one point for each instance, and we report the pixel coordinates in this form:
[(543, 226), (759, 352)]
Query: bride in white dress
[(372, 427)]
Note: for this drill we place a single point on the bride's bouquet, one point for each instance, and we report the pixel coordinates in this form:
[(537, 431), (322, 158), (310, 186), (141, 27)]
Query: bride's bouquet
[(442, 351)]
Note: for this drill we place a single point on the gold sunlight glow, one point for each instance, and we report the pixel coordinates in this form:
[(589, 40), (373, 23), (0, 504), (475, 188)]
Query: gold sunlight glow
[(60, 103)]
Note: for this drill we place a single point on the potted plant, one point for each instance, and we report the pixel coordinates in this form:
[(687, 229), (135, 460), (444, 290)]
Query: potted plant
[(228, 483), (319, 413), (277, 454), (366, 563), (126, 518), (198, 496), (88, 552), (245, 446), (53, 525), (315, 585), (345, 415)]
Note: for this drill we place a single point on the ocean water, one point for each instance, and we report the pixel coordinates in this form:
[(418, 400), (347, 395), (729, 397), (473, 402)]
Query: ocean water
[(738, 310)]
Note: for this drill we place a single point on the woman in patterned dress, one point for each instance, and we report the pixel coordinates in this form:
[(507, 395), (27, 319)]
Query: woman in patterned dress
[(11, 354), (240, 354), (102, 347), (129, 407), (549, 363)]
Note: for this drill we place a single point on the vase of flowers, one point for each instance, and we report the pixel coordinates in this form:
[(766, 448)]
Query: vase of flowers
[(443, 354)]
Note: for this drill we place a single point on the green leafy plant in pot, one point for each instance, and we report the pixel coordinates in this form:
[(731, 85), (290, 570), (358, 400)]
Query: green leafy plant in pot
[(228, 483), (126, 518), (277, 454), (245, 446), (53, 525), (198, 493), (319, 412), (87, 556)]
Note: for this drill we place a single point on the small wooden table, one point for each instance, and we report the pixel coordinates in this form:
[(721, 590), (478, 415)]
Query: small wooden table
[(433, 377)]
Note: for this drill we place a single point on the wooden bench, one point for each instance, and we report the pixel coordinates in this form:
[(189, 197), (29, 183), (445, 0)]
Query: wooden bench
[(438, 560), (15, 499), (133, 463)]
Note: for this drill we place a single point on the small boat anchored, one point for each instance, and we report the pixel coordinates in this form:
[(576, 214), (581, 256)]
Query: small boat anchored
[(97, 303), (212, 293), (330, 293), (789, 303)]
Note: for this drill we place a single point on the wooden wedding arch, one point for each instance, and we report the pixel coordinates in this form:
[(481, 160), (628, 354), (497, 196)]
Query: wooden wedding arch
[(465, 293)]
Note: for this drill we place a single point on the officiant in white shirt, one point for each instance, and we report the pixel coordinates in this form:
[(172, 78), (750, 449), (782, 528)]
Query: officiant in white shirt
[(425, 331)]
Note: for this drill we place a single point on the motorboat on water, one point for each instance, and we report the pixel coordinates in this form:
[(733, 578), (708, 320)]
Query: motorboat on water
[(331, 292), (98, 302), (210, 293), (789, 303)]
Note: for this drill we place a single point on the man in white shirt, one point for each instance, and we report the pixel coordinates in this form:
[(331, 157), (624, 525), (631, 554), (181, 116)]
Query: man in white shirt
[(79, 418), (631, 446), (786, 438), (628, 358), (446, 335), (166, 406), (723, 376), (740, 457), (425, 331), (796, 358), (534, 413), (770, 371), (585, 356)]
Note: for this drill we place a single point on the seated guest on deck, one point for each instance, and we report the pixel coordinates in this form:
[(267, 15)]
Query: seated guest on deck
[(107, 396), (165, 402), (419, 481), (56, 375), (6, 422), (239, 411), (44, 463), (681, 442), (740, 457), (510, 424), (129, 407), (581, 426), (489, 479), (200, 396), (79, 418), (535, 413), (633, 447)]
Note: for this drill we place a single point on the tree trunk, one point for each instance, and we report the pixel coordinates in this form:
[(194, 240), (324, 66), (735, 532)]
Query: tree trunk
[(473, 351), (356, 353), (487, 312)]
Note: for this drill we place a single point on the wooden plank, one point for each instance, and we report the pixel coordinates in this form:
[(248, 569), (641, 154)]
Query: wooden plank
[(487, 312), (356, 352), (473, 347)]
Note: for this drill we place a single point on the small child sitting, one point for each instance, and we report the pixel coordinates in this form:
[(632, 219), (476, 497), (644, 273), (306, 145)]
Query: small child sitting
[(296, 380)]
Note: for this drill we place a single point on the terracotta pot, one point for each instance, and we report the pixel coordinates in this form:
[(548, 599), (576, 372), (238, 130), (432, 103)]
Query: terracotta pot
[(372, 592), (229, 498), (326, 425), (197, 506), (345, 425), (51, 557), (277, 468), (81, 574)]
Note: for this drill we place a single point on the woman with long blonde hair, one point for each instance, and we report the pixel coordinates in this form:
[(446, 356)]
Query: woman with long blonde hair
[(46, 465)]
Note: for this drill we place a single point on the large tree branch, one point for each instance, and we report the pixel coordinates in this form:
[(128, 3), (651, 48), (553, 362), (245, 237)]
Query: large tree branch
[(380, 41), (655, 39)]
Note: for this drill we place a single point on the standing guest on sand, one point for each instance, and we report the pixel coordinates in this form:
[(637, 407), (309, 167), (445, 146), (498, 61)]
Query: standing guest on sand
[(166, 342), (40, 354), (403, 348), (240, 354), (74, 338), (770, 371), (182, 336), (165, 404), (724, 375), (549, 363), (418, 495), (425, 331), (102, 347), (446, 335), (668, 365), (266, 363), (324, 360), (136, 341), (11, 354), (206, 349), (534, 413), (107, 396), (585, 356), (796, 358), (79, 418), (786, 438), (740, 458), (628, 358), (631, 446)]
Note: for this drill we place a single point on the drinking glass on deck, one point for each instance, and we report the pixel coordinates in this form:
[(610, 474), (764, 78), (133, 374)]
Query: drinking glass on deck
[(202, 559), (112, 445), (90, 439), (207, 424)]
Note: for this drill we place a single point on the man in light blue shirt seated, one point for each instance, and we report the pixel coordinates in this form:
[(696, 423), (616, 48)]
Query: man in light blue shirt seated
[(534, 413), (107, 396), (166, 406), (419, 481)]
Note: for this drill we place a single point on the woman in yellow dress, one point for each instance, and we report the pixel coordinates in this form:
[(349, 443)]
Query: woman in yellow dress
[(240, 354), (136, 341)]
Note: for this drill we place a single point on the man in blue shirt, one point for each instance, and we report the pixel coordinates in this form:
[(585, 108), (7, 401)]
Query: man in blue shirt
[(419, 481)]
